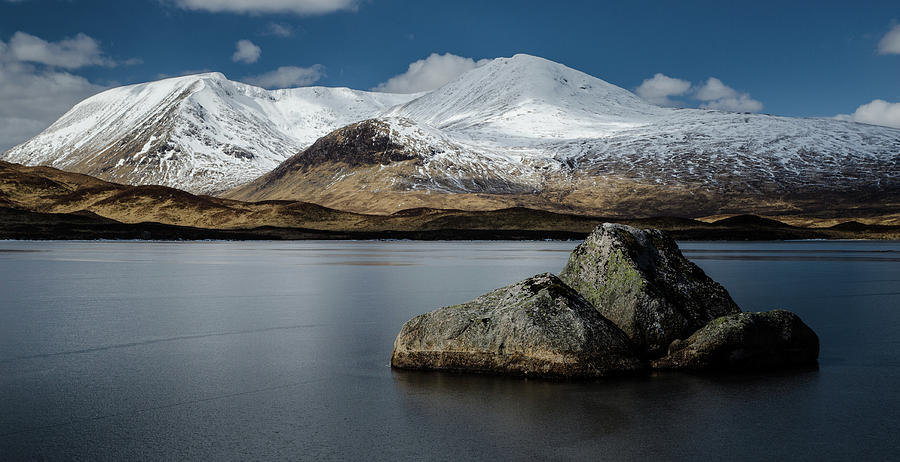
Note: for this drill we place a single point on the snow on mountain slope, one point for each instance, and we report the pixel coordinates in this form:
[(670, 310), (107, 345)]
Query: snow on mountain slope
[(560, 119), (525, 100), (528, 131), (514, 126), (449, 164), (747, 152), (201, 133)]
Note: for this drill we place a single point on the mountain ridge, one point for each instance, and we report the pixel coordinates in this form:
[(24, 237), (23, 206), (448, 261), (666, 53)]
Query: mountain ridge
[(520, 131), (202, 133)]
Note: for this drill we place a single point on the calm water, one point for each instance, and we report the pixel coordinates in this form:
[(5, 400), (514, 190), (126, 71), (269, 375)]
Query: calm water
[(127, 350)]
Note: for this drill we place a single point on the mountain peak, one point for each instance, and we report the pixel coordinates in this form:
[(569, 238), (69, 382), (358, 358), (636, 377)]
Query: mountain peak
[(512, 96), (525, 57), (210, 75), (528, 60)]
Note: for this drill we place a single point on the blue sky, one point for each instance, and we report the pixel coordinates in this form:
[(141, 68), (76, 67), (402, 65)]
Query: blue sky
[(786, 57)]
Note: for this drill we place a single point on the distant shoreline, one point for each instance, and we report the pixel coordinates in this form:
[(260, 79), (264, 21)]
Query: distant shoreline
[(26, 225), (44, 203)]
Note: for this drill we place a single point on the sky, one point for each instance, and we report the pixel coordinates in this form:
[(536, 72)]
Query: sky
[(794, 58)]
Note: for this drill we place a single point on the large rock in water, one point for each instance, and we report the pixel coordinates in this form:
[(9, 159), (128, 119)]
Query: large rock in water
[(639, 280), (766, 340), (538, 327)]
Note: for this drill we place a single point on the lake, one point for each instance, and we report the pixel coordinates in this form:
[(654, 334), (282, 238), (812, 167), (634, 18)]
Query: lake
[(280, 350)]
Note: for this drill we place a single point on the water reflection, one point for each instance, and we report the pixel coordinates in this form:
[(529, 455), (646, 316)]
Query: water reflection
[(668, 416), (280, 350)]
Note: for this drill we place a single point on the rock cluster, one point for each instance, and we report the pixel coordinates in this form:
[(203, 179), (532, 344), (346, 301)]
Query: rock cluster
[(627, 300)]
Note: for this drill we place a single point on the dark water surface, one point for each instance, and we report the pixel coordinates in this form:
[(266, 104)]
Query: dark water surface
[(220, 351)]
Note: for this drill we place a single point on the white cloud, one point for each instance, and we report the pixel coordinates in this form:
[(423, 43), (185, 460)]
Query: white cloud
[(660, 88), (32, 93), (714, 89), (890, 43), (878, 112), (279, 29), (30, 99), (301, 7), (246, 52), (713, 94), (742, 103), (724, 98), (429, 73), (70, 53), (288, 77)]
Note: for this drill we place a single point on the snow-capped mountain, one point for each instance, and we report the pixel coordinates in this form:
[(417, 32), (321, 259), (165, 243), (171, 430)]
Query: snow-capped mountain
[(536, 109), (201, 133), (515, 131), (528, 131)]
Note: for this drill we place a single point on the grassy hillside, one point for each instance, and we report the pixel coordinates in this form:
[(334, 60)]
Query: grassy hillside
[(46, 203)]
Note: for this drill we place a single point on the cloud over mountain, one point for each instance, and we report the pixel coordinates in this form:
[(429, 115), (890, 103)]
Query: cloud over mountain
[(878, 112), (717, 95), (661, 88), (429, 73), (712, 94), (288, 77)]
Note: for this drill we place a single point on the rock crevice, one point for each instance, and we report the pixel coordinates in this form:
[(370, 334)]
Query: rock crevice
[(640, 280), (538, 327)]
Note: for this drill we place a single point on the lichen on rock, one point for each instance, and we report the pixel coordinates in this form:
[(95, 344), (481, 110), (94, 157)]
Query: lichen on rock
[(640, 281), (766, 340), (536, 327)]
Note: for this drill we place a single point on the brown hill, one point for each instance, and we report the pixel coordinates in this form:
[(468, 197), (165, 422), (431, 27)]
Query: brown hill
[(365, 168), (46, 203)]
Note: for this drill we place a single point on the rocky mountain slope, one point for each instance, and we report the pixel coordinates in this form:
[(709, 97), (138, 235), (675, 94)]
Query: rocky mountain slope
[(201, 133), (525, 131), (520, 131)]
